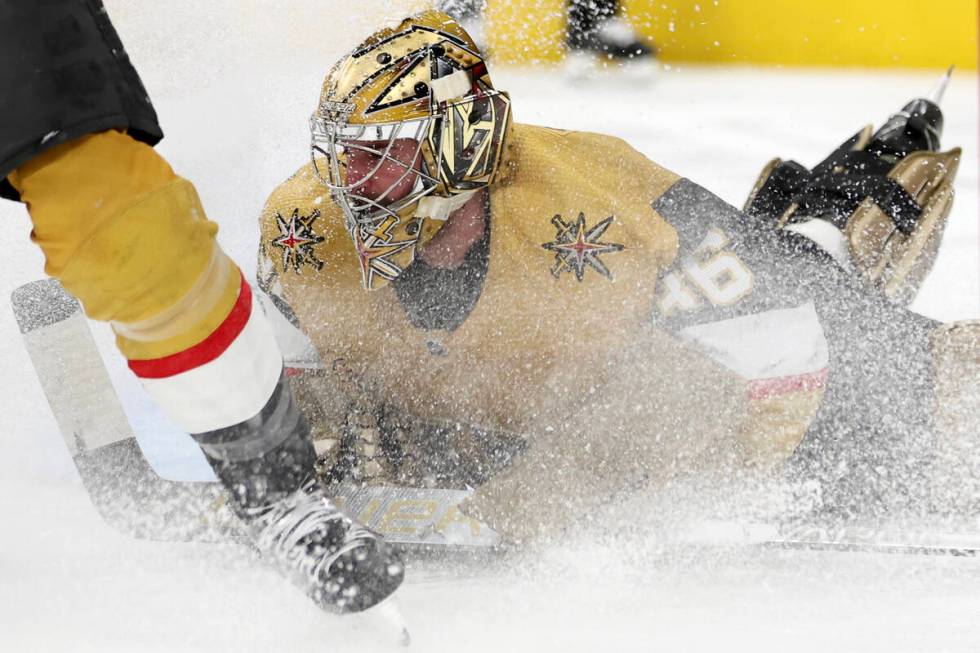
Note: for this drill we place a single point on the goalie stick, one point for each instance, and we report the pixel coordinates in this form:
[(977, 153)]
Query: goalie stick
[(130, 495), (865, 538), (125, 490), (133, 498)]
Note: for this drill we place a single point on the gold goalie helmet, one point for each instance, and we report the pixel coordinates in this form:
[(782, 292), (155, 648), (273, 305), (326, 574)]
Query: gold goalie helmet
[(408, 127)]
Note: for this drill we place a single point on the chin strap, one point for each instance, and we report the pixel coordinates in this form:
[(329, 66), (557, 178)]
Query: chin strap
[(440, 208)]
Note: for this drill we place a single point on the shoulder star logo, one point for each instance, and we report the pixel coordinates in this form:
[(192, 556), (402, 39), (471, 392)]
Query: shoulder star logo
[(577, 247), (297, 240)]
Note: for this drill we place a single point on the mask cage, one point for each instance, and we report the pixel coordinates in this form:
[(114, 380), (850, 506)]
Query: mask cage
[(332, 140)]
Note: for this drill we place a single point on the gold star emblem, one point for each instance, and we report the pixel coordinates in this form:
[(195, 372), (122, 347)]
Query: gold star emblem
[(577, 247), (297, 240)]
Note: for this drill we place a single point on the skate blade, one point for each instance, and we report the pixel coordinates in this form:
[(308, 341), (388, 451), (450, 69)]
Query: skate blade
[(388, 619)]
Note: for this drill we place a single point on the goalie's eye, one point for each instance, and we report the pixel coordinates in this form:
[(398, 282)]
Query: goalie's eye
[(400, 150)]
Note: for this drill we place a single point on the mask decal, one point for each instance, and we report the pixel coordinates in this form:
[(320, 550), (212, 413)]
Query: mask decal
[(381, 255)]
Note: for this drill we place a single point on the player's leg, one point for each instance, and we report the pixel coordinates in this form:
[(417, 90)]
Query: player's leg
[(130, 239), (595, 27), (825, 357), (460, 10), (876, 209), (585, 17), (956, 476)]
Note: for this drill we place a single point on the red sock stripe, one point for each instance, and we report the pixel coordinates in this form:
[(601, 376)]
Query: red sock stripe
[(784, 385), (205, 351)]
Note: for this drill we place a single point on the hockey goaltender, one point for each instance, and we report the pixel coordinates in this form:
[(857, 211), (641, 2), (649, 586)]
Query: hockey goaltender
[(554, 319), (547, 317)]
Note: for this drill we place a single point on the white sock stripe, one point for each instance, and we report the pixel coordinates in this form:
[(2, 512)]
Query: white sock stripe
[(228, 390)]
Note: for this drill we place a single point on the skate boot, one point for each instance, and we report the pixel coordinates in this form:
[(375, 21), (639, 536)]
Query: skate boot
[(605, 43), (267, 464), (616, 40), (341, 565)]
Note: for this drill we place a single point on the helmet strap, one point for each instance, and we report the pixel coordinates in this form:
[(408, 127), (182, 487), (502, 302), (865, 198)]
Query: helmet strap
[(451, 87), (440, 208)]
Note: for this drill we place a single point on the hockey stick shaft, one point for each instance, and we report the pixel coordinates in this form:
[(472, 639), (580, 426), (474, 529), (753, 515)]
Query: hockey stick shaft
[(854, 538), (122, 485), (130, 495)]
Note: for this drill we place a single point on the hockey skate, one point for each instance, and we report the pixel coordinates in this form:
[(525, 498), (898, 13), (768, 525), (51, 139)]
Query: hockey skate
[(341, 565), (613, 49)]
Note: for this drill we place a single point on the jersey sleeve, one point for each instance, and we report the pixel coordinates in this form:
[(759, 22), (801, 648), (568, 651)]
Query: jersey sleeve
[(839, 378), (64, 74)]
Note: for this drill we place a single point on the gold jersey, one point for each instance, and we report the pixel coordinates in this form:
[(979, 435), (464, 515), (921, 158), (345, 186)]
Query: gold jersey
[(556, 337), (574, 252)]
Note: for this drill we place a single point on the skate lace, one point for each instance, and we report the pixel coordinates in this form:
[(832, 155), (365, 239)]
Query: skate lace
[(285, 531)]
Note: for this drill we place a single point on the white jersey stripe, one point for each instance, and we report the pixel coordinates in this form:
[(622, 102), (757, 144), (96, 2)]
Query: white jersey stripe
[(774, 344)]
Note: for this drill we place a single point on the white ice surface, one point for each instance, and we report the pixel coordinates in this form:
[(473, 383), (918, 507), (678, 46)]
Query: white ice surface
[(234, 85)]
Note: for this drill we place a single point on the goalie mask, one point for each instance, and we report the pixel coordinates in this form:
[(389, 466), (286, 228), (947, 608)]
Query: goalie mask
[(408, 128)]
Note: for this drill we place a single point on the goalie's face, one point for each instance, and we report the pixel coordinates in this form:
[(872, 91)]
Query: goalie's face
[(374, 171), (377, 173), (383, 172)]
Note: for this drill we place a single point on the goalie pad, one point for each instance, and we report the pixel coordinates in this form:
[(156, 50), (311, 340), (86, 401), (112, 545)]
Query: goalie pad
[(956, 356), (894, 257), (884, 222)]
